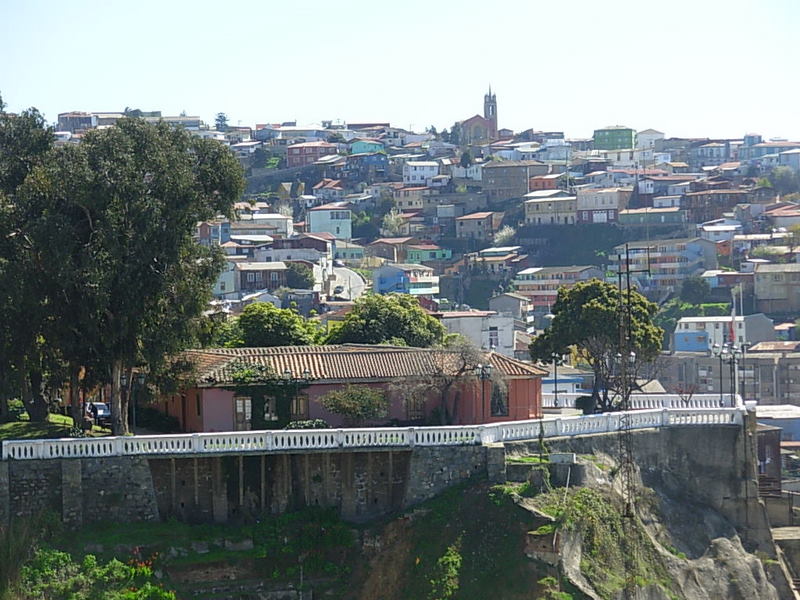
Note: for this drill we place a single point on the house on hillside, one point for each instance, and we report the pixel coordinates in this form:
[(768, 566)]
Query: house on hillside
[(417, 280), (303, 374)]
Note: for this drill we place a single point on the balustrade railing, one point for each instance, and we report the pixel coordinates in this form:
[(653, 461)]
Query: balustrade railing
[(375, 437), (652, 401)]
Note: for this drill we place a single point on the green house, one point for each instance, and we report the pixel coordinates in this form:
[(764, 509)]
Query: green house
[(366, 147), (419, 253), (616, 137)]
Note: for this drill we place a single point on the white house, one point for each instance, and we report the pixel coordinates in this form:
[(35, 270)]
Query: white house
[(473, 172), (485, 328), (647, 138), (719, 230), (272, 224), (334, 218), (701, 333), (419, 172)]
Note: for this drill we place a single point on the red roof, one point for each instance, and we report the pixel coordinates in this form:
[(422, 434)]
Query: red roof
[(477, 215)]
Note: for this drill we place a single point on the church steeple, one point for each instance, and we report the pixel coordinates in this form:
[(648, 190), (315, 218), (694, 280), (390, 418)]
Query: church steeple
[(490, 110)]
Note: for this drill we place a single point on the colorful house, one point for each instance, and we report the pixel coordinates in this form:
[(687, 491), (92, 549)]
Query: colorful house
[(303, 374), (419, 253), (366, 146)]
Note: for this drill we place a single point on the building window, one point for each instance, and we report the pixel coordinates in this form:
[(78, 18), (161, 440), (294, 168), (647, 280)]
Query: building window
[(494, 337), (499, 400), (198, 405), (299, 408)]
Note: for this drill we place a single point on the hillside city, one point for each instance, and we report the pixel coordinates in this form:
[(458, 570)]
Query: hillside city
[(290, 361), (483, 226)]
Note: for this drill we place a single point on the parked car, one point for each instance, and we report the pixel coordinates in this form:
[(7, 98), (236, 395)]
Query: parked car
[(99, 412)]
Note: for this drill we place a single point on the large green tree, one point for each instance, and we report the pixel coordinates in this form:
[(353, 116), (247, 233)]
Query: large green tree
[(299, 276), (262, 324), (395, 318), (150, 185), (101, 255), (25, 144), (695, 290), (605, 325)]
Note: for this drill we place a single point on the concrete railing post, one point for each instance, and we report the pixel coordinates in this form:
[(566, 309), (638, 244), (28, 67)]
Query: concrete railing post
[(665, 417), (412, 437)]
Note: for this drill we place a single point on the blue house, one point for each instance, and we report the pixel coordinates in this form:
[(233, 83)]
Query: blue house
[(364, 146), (417, 280), (691, 341)]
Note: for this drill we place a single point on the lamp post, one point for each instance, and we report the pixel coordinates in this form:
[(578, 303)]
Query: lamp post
[(555, 358), (484, 373), (735, 353), (744, 348), (140, 378), (720, 352)]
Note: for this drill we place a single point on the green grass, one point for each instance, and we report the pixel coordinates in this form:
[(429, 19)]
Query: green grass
[(536, 460), (56, 426)]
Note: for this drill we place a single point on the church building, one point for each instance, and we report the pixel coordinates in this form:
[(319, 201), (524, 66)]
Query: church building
[(481, 128)]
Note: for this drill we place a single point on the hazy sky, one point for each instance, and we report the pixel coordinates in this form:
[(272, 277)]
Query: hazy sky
[(687, 68)]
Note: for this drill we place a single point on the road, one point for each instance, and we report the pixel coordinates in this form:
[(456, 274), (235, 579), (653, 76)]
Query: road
[(352, 283)]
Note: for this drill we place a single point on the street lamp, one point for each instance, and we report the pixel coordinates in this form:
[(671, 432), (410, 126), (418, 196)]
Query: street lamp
[(744, 348), (555, 358), (732, 360), (484, 373), (719, 352), (140, 378)]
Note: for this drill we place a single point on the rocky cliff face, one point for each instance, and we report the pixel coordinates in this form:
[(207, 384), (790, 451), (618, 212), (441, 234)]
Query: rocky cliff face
[(698, 530)]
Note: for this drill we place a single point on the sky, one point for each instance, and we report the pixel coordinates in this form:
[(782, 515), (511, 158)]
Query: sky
[(699, 68)]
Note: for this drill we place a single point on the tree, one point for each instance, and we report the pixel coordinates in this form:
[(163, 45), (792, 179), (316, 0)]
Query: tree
[(793, 237), (393, 222), (261, 157), (695, 290), (466, 158), (504, 235), (299, 276), (454, 363), (336, 138), (262, 324), (25, 144), (784, 180), (590, 316), (377, 319), (356, 403), (455, 134), (147, 187), (221, 122)]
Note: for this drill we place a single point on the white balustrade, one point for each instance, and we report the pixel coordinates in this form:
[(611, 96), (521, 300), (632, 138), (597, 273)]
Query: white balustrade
[(653, 401), (373, 437)]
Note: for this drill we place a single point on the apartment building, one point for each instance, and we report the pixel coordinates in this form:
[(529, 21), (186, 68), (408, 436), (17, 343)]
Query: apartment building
[(541, 284), (669, 261), (777, 287), (550, 207), (700, 334)]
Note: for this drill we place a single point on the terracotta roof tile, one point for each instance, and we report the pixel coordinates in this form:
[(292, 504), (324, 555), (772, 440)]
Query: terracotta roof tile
[(347, 362)]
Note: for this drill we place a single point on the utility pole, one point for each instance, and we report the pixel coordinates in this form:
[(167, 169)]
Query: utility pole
[(626, 358)]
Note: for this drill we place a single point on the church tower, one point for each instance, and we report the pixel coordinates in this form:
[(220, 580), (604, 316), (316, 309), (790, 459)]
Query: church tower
[(490, 111)]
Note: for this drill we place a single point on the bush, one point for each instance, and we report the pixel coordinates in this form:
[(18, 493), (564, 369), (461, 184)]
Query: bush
[(356, 403), (55, 575), (585, 403), (308, 424)]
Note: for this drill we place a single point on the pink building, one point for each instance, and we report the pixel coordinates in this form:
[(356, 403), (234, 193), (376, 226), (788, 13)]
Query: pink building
[(310, 372)]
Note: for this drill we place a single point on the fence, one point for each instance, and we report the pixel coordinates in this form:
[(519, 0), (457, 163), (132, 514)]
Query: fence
[(380, 437), (649, 401)]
